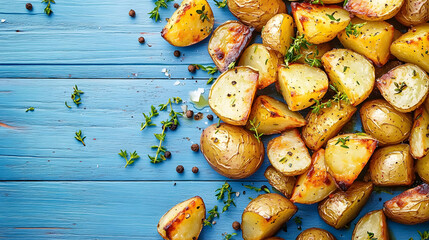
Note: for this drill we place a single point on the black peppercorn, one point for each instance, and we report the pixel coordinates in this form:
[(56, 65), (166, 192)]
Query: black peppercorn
[(176, 5), (132, 13), (195, 170), (210, 117), (191, 68), (177, 53), (189, 113), (141, 40), (195, 147), (180, 168), (167, 154), (173, 127), (236, 225), (29, 6)]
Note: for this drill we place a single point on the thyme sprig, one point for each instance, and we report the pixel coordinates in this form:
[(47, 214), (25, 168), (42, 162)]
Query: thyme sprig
[(371, 236), (353, 29), (423, 235), (67, 104), (133, 157), (332, 18), (30, 109), (203, 14), (227, 236), (211, 80), (75, 96), (154, 14), (225, 190), (317, 2), (314, 62), (48, 9), (400, 87), (209, 69), (221, 4), (337, 98), (343, 142), (293, 53), (262, 189), (254, 128), (79, 137), (213, 213), (148, 119), (298, 221)]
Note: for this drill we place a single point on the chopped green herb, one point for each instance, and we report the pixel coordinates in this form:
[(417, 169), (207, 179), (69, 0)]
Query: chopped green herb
[(154, 14), (210, 80), (133, 157), (76, 95), (314, 62), (400, 87), (343, 142), (203, 14), (345, 68), (293, 53), (67, 104), (317, 2), (228, 236), (254, 128), (371, 236), (213, 213), (337, 98), (332, 17), (263, 188), (209, 69), (30, 109), (231, 65), (48, 9), (225, 190), (79, 137), (353, 29), (221, 4)]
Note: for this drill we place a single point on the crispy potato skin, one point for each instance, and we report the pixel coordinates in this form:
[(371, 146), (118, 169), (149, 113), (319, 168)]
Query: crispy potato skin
[(232, 151), (413, 12), (419, 142), (410, 207), (278, 33), (315, 234), (227, 43), (374, 222), (374, 10), (422, 168), (282, 183)]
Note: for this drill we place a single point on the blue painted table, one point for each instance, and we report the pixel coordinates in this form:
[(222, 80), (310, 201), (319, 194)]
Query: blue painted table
[(51, 186)]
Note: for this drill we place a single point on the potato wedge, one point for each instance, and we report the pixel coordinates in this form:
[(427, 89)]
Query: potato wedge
[(351, 73), (186, 27), (228, 42), (301, 84), (280, 182), (315, 234), (410, 207), (392, 166), (412, 47), (278, 33), (232, 94), (183, 221), (374, 10), (372, 225), (316, 184), (319, 23), (342, 207), (419, 141), (413, 12), (373, 40), (346, 155), (288, 153), (265, 215), (273, 116), (422, 168), (405, 87), (326, 123), (314, 51)]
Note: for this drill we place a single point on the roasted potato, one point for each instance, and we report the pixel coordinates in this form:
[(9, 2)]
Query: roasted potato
[(256, 13), (278, 33), (419, 141), (232, 151), (371, 226), (274, 238), (346, 155), (405, 87), (385, 123), (351, 73), (186, 27), (301, 85), (374, 10), (288, 153), (316, 184), (232, 94), (273, 116), (280, 182), (422, 168), (392, 166), (412, 47), (183, 221), (373, 40), (227, 43), (265, 215), (413, 12), (410, 207), (314, 51), (262, 59), (315, 234), (342, 207), (326, 123)]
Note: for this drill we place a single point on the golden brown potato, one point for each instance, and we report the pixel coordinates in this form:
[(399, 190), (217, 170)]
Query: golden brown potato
[(273, 116), (232, 94), (315, 234), (265, 215), (419, 141), (385, 123), (351, 73), (374, 10), (413, 12), (319, 23), (274, 238), (314, 51), (412, 47), (256, 13), (410, 207), (232, 151), (392, 166), (316, 184), (342, 207), (422, 168), (288, 153), (371, 226), (405, 87), (373, 40), (186, 27), (280, 182), (278, 33), (326, 123), (183, 221), (227, 43)]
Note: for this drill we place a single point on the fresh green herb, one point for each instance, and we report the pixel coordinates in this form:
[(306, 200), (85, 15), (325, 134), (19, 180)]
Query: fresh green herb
[(250, 198), (345, 68), (213, 213), (424, 235), (266, 61), (221, 4), (400, 87), (154, 14), (30, 109), (133, 157), (414, 73), (148, 119), (79, 137), (67, 104), (298, 221), (371, 236), (231, 65), (343, 142), (358, 83), (293, 53), (338, 97), (218, 124), (317, 2), (314, 62), (265, 189), (48, 9), (332, 17), (210, 80), (353, 29), (203, 14), (209, 69), (228, 236), (283, 160), (360, 134), (225, 190), (254, 128), (345, 2), (319, 105), (378, 189), (76, 95)]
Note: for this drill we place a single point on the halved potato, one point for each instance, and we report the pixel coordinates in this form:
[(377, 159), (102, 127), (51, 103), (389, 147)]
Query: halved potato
[(232, 94), (186, 27), (373, 41), (273, 116), (316, 184), (346, 155), (419, 138), (342, 207), (301, 85), (405, 87), (422, 168), (374, 10), (315, 234), (374, 225), (227, 43), (319, 23), (183, 221), (282, 183), (265, 215), (278, 33), (288, 153), (413, 12), (314, 51), (410, 207), (351, 73)]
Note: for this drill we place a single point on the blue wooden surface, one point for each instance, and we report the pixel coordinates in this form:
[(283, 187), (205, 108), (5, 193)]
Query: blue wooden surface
[(54, 188)]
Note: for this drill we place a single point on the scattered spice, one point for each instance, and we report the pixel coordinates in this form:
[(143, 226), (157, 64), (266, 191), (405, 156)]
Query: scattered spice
[(198, 116), (167, 154), (133, 157), (29, 6), (192, 68), (180, 169), (195, 170), (189, 113), (195, 147), (210, 117), (236, 225), (176, 5), (132, 13), (177, 53), (141, 40)]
